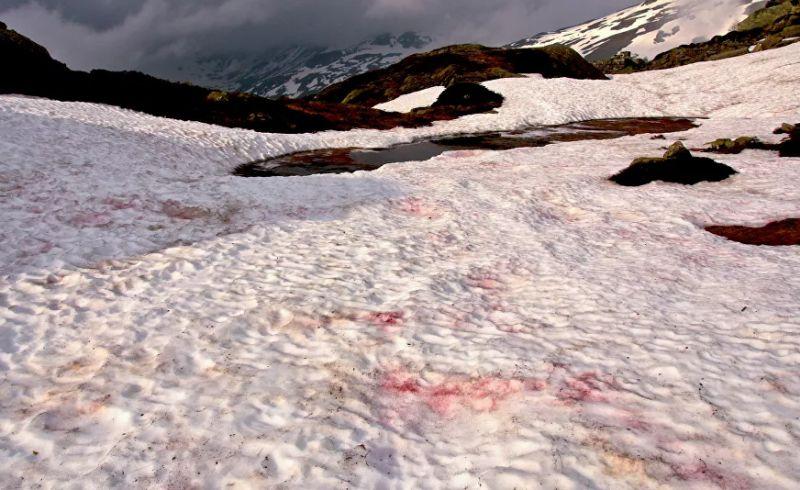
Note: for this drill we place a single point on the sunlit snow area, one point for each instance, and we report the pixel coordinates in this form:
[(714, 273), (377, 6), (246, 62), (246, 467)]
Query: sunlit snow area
[(482, 319)]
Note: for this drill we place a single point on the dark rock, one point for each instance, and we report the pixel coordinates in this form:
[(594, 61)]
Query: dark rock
[(791, 146), (779, 233), (734, 147), (470, 95), (677, 166), (677, 151), (624, 62), (467, 63), (785, 128)]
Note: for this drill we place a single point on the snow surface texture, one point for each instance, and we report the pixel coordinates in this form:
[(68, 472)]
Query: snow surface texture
[(414, 100), (483, 319), (649, 28)]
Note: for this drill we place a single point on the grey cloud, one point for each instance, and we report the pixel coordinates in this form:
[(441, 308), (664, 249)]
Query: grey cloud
[(128, 33)]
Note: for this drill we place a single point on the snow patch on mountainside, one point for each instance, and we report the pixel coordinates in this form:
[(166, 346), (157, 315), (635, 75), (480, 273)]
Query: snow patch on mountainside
[(650, 28), (414, 100), (294, 71)]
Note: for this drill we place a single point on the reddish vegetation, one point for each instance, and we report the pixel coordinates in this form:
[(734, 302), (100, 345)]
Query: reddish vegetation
[(778, 233)]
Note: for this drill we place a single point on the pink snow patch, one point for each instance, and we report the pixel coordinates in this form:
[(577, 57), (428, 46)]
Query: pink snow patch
[(176, 210), (484, 394), (465, 153), (416, 206), (484, 280), (90, 219), (387, 318), (702, 472), (118, 203), (587, 387)]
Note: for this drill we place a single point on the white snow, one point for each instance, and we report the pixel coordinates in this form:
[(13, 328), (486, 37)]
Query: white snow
[(414, 100), (482, 319), (652, 27)]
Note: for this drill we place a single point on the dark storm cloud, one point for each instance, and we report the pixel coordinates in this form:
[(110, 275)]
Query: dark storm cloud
[(99, 14), (128, 33)]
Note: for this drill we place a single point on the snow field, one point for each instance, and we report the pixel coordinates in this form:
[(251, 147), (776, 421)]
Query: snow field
[(484, 318)]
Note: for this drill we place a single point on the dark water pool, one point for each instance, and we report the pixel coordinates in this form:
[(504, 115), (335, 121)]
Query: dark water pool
[(342, 160)]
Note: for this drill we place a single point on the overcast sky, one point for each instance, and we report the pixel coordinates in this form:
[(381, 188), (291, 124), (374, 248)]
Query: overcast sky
[(119, 34)]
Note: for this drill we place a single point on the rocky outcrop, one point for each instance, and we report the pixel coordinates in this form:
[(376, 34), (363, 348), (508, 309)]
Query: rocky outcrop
[(469, 63), (789, 147), (25, 65), (677, 165), (775, 234), (624, 62), (734, 147)]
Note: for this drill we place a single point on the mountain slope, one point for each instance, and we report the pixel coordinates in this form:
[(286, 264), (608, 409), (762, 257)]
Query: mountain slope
[(649, 28), (461, 63), (295, 71), (30, 70)]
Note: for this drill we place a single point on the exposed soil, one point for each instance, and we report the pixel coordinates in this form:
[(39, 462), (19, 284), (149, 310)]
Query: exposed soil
[(343, 160), (778, 233)]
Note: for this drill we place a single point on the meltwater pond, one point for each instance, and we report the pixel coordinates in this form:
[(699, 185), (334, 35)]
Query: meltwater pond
[(343, 160)]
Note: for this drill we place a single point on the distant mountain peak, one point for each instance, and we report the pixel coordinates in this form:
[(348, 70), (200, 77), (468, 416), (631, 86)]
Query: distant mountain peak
[(649, 28), (294, 71)]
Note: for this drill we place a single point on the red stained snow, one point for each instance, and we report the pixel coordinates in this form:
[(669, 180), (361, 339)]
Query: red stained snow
[(585, 387), (174, 209), (418, 207), (386, 318), (89, 219), (118, 203), (484, 279), (485, 394), (702, 472)]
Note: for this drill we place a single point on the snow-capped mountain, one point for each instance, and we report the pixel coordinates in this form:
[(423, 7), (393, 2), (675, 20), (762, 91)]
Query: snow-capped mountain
[(649, 28), (294, 71)]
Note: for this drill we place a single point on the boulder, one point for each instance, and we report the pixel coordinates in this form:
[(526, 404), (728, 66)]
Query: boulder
[(469, 95), (785, 128), (791, 146), (623, 62), (677, 165)]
